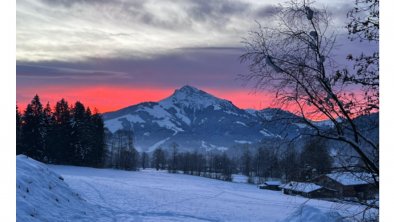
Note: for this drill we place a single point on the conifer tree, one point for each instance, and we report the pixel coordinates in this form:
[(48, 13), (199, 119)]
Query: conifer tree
[(67, 135), (49, 143), (63, 133), (19, 149), (98, 151), (80, 131), (33, 130)]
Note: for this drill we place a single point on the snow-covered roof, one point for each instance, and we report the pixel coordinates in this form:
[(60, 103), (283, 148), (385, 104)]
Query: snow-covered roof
[(301, 187), (350, 178), (273, 183)]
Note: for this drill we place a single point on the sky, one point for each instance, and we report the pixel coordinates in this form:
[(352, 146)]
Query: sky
[(113, 54)]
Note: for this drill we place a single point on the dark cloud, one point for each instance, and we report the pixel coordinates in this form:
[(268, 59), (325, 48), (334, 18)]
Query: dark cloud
[(268, 11), (38, 71), (213, 13), (217, 13), (206, 10), (203, 66), (210, 67)]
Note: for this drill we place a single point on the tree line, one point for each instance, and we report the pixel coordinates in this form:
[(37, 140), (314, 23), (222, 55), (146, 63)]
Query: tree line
[(73, 135), (290, 164), (65, 135), (213, 165), (121, 152), (123, 155), (311, 160)]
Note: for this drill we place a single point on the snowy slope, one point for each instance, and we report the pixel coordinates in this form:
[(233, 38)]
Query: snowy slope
[(149, 195), (308, 213), (193, 98), (198, 120), (42, 195)]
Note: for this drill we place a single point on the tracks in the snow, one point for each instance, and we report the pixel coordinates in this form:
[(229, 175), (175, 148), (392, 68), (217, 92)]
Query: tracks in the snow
[(118, 213)]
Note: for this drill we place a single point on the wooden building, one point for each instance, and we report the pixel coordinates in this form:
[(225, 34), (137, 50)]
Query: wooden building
[(349, 184), (309, 190), (270, 185)]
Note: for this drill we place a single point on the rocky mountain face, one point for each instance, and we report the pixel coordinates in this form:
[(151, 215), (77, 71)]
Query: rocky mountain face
[(195, 119)]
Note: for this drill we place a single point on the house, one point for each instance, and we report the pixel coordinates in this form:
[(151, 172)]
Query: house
[(309, 190), (270, 185), (349, 184)]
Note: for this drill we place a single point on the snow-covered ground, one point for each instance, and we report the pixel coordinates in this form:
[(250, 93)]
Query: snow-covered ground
[(42, 195), (148, 195)]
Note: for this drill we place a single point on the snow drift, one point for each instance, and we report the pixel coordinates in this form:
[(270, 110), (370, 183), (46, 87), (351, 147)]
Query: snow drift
[(42, 195), (311, 214)]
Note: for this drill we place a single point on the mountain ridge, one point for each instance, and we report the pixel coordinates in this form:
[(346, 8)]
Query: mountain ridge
[(195, 119)]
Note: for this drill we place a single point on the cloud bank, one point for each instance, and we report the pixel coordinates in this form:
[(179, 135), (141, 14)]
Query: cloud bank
[(121, 44)]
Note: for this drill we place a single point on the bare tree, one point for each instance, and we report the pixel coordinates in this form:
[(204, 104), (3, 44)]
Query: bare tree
[(290, 164), (173, 160), (122, 154), (293, 57), (246, 162), (144, 160), (159, 159), (364, 27)]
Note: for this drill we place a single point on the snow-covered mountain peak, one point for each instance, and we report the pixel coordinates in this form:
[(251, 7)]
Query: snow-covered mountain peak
[(191, 97), (189, 92), (196, 119), (188, 89)]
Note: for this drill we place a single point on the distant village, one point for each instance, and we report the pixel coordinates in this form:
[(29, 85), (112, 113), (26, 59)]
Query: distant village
[(334, 186)]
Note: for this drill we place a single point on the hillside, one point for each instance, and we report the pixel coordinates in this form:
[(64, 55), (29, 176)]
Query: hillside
[(195, 119), (42, 195)]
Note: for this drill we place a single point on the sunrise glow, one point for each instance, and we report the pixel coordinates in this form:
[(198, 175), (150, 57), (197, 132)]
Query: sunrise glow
[(111, 98)]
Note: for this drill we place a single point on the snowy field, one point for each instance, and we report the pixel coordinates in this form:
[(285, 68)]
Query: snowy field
[(148, 195)]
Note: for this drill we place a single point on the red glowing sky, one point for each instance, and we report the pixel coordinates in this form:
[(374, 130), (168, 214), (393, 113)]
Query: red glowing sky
[(111, 98), (107, 98), (108, 65)]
